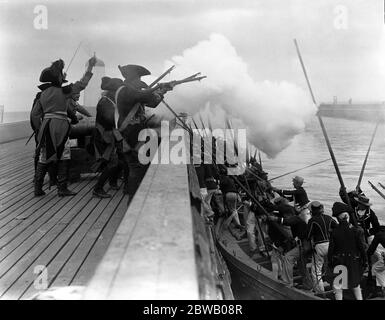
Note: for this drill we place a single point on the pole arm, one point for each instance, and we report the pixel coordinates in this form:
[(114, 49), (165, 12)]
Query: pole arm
[(343, 188), (366, 157)]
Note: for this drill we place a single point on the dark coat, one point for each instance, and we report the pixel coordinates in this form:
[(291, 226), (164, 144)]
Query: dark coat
[(319, 227), (299, 196), (54, 131), (104, 137), (133, 93), (368, 222), (347, 247)]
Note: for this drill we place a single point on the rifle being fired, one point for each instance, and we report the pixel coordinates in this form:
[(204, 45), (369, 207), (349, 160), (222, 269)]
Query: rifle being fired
[(167, 86)]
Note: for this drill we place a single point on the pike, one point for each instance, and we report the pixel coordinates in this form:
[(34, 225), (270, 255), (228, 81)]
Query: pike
[(366, 157), (381, 185), (343, 188), (310, 165), (376, 189)]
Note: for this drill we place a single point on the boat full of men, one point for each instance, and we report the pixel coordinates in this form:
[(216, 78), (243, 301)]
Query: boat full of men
[(292, 229)]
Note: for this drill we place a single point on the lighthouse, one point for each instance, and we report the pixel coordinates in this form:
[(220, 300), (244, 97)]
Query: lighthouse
[(92, 92)]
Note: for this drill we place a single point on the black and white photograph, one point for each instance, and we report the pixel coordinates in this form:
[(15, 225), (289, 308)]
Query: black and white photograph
[(210, 151)]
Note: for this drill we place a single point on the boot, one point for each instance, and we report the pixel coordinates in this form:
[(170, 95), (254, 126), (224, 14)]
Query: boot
[(98, 189), (35, 162), (52, 175), (41, 170), (100, 193), (62, 178)]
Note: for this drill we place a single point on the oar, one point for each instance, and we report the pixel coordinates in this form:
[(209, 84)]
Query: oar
[(376, 189), (366, 157), (343, 188), (310, 165)]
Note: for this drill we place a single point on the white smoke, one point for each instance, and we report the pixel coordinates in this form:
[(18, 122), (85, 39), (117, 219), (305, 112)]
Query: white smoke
[(272, 112)]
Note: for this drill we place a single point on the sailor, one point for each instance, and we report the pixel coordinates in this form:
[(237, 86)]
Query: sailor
[(52, 141), (346, 249), (366, 217), (298, 195), (106, 137), (131, 99), (376, 251), (319, 227), (231, 197)]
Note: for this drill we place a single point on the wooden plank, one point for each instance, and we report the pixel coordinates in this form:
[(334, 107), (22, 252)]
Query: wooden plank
[(49, 257), (20, 174), (69, 259), (20, 203), (94, 257), (14, 162), (152, 253), (49, 244), (15, 233)]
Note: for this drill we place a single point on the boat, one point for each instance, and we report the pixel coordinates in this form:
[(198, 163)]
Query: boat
[(255, 274)]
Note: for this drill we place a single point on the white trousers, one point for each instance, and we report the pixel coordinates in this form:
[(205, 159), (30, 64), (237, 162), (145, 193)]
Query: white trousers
[(319, 257)]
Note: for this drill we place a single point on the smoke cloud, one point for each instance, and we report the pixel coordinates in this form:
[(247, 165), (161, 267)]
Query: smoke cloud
[(271, 112)]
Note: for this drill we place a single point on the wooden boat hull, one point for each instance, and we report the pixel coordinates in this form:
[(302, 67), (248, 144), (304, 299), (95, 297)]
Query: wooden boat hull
[(257, 280)]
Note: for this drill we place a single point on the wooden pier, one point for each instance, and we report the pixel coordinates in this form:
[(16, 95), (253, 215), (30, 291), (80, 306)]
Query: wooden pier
[(66, 236)]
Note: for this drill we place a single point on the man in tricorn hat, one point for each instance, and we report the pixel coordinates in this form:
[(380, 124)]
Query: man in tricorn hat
[(346, 249), (107, 137), (52, 141), (131, 99), (366, 217)]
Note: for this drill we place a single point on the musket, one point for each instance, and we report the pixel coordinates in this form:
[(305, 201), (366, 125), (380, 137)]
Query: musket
[(343, 188), (366, 157), (162, 76), (172, 84), (376, 189)]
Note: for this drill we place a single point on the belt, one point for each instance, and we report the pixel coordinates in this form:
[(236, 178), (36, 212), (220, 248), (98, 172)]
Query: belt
[(57, 115)]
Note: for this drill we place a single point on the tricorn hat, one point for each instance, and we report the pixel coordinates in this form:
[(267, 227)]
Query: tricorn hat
[(53, 72), (111, 84), (133, 71), (340, 207), (361, 199)]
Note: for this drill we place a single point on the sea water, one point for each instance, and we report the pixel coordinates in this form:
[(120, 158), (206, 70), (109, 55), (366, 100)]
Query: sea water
[(350, 141)]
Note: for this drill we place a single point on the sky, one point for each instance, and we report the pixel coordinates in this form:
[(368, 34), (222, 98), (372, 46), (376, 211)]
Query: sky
[(344, 58)]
